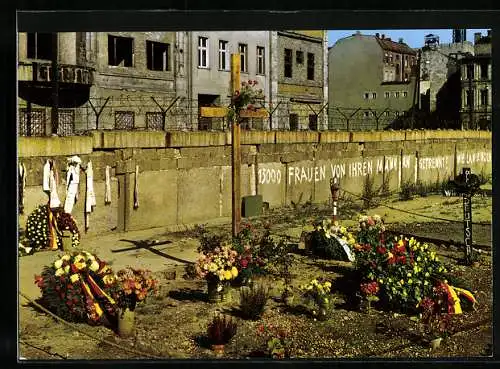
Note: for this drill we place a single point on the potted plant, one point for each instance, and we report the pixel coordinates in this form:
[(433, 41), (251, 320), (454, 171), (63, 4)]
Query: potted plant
[(218, 268), (434, 322), (318, 295), (277, 341), (369, 292), (219, 332), (134, 285)]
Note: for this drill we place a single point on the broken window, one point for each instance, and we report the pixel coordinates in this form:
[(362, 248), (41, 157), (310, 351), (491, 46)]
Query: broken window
[(202, 52), (39, 46), (120, 51), (261, 60), (288, 63), (310, 66), (313, 122), (243, 57), (157, 55), (299, 57), (293, 120)]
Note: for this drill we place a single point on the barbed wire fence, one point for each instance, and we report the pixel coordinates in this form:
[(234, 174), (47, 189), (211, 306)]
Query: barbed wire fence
[(177, 113)]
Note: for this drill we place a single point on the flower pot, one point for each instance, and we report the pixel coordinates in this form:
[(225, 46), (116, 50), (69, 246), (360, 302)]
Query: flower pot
[(218, 349), (217, 291), (435, 343), (126, 322)]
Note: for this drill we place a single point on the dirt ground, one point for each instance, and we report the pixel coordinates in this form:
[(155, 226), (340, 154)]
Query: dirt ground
[(173, 324)]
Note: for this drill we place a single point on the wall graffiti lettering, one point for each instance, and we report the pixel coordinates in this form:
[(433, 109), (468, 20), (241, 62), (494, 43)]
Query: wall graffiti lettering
[(309, 174), (436, 162), (269, 176), (473, 157)]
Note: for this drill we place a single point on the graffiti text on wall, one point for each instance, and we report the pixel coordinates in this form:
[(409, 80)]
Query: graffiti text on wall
[(474, 157)]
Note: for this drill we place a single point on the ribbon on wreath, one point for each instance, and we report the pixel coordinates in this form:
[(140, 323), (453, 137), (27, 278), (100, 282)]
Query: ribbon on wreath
[(454, 294), (91, 288)]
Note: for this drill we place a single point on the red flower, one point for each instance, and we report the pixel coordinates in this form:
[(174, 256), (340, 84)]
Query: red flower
[(391, 260), (261, 328), (402, 259), (39, 281), (244, 263), (370, 221), (381, 250)]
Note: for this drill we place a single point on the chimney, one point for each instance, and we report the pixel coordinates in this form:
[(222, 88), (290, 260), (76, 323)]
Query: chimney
[(400, 40), (377, 35), (477, 36), (383, 36)]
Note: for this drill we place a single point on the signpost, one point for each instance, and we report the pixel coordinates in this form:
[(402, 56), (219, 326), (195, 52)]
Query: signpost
[(221, 112)]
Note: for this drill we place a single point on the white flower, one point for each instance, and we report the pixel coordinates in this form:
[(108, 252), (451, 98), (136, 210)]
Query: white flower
[(59, 272), (66, 269), (94, 266), (66, 257), (74, 278), (58, 264)]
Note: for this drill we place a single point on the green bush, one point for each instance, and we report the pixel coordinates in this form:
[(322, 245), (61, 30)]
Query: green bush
[(253, 301)]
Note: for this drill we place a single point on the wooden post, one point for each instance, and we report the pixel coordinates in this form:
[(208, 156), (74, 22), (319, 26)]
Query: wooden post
[(235, 149)]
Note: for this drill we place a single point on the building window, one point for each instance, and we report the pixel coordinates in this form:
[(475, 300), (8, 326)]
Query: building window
[(310, 66), (261, 65), (374, 95), (396, 94), (243, 57), (405, 94), (66, 122), (367, 95), (386, 113), (154, 121), (32, 122), (288, 63), (202, 52), (468, 98), (397, 56), (387, 95), (299, 57), (397, 71), (313, 122), (124, 120), (158, 55), (367, 114), (470, 71), (484, 71), (406, 77), (120, 51), (484, 97), (223, 55), (293, 120), (39, 46), (396, 114)]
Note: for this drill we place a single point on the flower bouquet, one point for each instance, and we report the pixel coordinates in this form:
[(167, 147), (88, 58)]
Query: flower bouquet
[(331, 240), (371, 229), (134, 285), (245, 98), (79, 287), (220, 331), (369, 291), (318, 295), (218, 268)]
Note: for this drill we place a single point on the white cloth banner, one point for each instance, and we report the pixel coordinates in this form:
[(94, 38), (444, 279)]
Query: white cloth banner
[(107, 192), (72, 183), (90, 201), (346, 247), (54, 197), (46, 177)]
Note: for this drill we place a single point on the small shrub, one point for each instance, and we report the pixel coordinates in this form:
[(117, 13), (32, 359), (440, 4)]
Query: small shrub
[(369, 192), (208, 241), (253, 301), (221, 330), (385, 189), (407, 191)]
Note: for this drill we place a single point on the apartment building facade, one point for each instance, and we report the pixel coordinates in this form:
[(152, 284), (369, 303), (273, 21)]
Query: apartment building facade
[(371, 81), (476, 79)]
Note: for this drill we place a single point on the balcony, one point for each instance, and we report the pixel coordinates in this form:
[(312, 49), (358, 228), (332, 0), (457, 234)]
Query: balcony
[(42, 72)]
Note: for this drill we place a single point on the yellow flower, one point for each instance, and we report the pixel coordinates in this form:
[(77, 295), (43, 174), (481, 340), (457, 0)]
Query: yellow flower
[(66, 269), (426, 283), (74, 278), (402, 282), (108, 279), (314, 281), (228, 275), (234, 272), (79, 262), (94, 266), (58, 264), (59, 272), (212, 267), (427, 274), (66, 257), (328, 284), (325, 300), (381, 281), (408, 274), (410, 281)]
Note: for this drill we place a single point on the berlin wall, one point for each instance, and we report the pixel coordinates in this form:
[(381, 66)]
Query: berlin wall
[(185, 178)]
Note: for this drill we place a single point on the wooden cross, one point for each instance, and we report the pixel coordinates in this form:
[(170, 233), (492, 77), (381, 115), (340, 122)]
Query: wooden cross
[(221, 112)]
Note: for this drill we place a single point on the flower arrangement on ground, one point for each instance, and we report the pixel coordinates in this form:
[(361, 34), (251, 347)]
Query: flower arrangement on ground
[(44, 228), (134, 285), (277, 340), (218, 267), (405, 270), (220, 331), (435, 319), (249, 244), (79, 287), (332, 241), (369, 292), (317, 295)]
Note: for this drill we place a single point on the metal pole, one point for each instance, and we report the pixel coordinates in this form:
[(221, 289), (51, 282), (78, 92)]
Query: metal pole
[(467, 198), (235, 149), (334, 188)]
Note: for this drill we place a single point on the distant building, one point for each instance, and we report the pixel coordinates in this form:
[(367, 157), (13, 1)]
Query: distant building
[(476, 72), (371, 81)]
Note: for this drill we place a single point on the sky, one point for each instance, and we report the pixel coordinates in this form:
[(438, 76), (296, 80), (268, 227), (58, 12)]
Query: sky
[(413, 37)]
